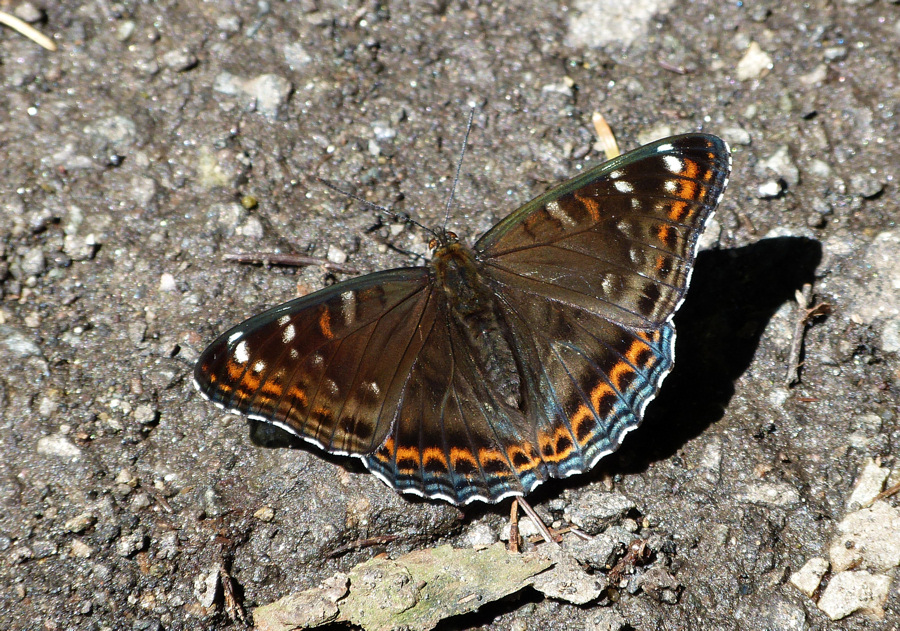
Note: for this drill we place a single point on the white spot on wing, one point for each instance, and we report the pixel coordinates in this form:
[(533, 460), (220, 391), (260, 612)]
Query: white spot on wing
[(288, 333), (234, 337), (259, 366), (348, 306), (554, 210), (294, 353), (241, 353), (616, 174), (673, 164), (664, 148), (671, 186), (284, 320), (624, 187)]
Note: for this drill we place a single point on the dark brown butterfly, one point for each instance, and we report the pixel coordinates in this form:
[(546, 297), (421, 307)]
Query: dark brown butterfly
[(526, 357)]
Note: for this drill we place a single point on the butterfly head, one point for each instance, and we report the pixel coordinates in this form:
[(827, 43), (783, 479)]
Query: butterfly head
[(442, 240)]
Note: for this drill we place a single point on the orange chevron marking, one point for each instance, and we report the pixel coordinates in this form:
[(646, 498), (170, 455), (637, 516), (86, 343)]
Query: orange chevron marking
[(664, 234), (634, 352), (691, 169), (679, 210), (460, 455), (434, 454), (523, 457), (271, 388), (583, 424), (618, 371), (325, 323), (555, 448), (592, 206), (299, 395)]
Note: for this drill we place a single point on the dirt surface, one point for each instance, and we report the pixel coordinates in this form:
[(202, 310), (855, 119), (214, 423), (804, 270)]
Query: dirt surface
[(129, 160)]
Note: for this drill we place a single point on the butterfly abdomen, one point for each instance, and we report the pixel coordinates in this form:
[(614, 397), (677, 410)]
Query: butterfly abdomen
[(472, 310)]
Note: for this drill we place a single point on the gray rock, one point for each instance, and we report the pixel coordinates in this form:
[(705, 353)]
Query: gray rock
[(769, 493), (781, 164), (34, 263), (179, 60), (595, 511), (754, 64), (865, 185), (605, 619), (869, 483), (80, 523), (566, 580), (129, 545), (17, 343), (597, 24), (27, 12), (770, 189)]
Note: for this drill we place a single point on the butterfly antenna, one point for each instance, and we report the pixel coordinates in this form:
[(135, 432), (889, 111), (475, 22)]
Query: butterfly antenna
[(386, 211), (462, 154)]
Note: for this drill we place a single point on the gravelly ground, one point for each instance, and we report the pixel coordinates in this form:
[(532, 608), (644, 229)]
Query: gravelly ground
[(126, 155)]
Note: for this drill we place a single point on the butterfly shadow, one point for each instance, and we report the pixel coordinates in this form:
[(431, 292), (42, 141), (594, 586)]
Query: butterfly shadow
[(733, 296)]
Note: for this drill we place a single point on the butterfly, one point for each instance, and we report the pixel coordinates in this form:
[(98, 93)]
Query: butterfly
[(496, 367)]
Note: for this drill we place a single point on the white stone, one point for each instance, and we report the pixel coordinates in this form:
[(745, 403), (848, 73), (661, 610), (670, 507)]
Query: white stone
[(596, 23), (336, 255), (769, 493), (58, 445), (868, 485), (753, 64), (167, 282), (890, 336), (770, 189), (849, 592), (808, 577), (869, 538)]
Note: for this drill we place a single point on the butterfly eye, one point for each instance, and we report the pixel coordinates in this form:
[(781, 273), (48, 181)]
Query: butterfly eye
[(433, 244), (452, 236)]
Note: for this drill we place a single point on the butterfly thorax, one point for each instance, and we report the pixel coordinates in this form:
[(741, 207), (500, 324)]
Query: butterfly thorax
[(472, 308)]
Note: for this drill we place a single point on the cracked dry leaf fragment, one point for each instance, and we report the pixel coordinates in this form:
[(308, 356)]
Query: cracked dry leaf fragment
[(415, 591)]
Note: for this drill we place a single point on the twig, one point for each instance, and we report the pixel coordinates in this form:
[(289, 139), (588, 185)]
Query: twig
[(232, 605), (27, 30), (288, 260), (537, 521), (361, 543), (805, 314), (665, 65), (514, 526), (892, 490)]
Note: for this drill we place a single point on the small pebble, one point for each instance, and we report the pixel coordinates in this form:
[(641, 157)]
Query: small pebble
[(266, 514), (80, 523), (179, 60), (167, 282), (770, 189), (336, 255), (27, 12)]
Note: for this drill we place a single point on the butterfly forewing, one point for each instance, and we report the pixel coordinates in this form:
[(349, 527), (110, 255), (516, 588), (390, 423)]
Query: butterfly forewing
[(620, 239), (328, 367)]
